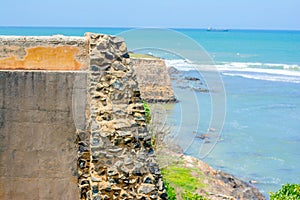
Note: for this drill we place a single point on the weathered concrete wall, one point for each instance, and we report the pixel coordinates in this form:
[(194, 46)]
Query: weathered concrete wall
[(153, 78), (44, 53), (37, 134), (73, 134)]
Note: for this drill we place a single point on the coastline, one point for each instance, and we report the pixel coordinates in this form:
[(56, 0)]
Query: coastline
[(244, 148), (214, 184), (286, 169)]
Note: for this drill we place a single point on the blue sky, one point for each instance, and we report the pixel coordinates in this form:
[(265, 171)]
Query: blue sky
[(232, 14)]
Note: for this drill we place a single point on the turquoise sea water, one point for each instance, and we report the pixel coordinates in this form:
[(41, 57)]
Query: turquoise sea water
[(260, 70)]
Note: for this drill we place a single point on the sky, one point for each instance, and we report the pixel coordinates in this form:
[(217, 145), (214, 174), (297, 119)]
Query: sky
[(229, 14)]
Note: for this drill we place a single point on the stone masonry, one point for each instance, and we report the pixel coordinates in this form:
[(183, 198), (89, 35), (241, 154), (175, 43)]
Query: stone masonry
[(123, 163), (154, 81), (73, 128)]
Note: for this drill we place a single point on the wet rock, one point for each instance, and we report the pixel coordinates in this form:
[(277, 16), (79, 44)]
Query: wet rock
[(192, 79)]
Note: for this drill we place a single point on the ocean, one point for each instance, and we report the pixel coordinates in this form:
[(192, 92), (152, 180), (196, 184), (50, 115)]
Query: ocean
[(259, 74)]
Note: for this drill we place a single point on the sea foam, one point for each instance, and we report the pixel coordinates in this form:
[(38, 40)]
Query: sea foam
[(252, 70)]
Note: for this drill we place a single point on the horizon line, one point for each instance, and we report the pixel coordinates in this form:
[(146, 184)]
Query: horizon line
[(187, 28)]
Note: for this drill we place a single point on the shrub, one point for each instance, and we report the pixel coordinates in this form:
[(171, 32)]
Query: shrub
[(191, 196), (170, 191), (287, 192), (147, 112), (186, 195)]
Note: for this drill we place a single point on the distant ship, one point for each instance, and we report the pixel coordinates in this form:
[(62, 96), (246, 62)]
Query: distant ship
[(216, 30)]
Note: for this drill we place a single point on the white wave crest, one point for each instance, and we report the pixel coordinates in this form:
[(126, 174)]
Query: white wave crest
[(180, 64), (278, 78), (279, 69), (253, 70)]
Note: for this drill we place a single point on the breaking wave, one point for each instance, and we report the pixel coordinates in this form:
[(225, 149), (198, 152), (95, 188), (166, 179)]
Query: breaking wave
[(250, 70)]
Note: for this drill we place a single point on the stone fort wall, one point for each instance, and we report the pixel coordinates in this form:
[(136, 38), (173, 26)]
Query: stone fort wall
[(72, 125), (153, 78)]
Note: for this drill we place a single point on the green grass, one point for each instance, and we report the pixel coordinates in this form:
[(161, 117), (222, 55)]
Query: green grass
[(136, 55), (182, 177), (192, 196), (170, 190)]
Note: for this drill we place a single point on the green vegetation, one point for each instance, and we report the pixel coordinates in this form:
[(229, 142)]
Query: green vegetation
[(170, 190), (191, 196), (136, 55), (182, 178), (287, 192), (147, 112)]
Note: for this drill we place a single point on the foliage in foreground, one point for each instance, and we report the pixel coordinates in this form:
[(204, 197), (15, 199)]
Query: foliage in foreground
[(182, 178), (191, 196), (287, 192), (170, 190), (147, 112), (186, 195)]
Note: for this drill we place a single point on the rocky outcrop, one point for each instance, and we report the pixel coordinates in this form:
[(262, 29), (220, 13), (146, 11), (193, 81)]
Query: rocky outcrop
[(217, 185), (153, 78), (221, 185), (182, 80)]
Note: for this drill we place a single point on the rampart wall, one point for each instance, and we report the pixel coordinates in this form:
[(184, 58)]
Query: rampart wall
[(72, 125)]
